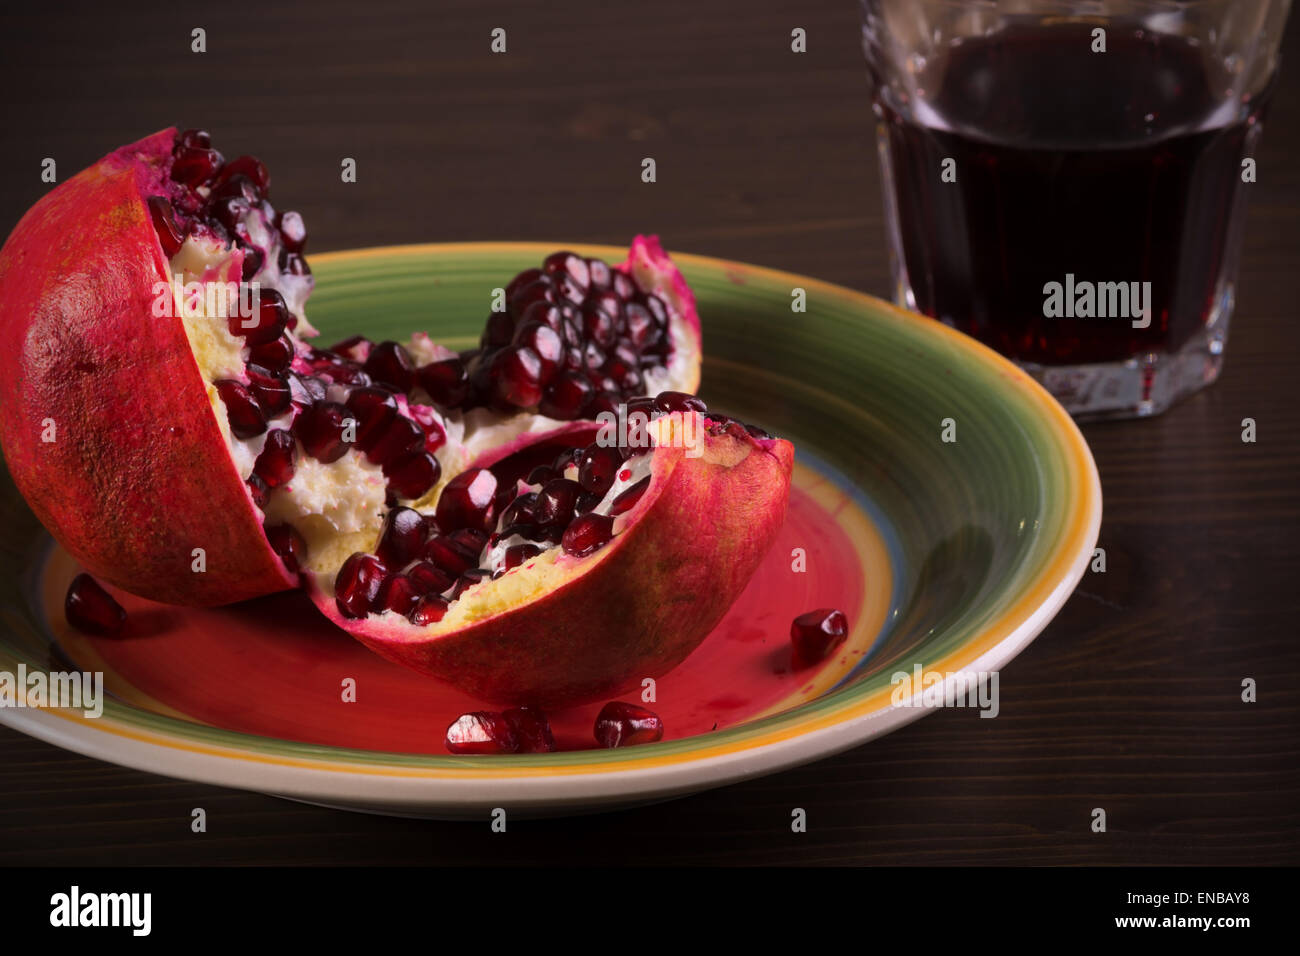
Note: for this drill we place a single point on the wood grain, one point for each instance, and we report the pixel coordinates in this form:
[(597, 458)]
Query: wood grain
[(1130, 699)]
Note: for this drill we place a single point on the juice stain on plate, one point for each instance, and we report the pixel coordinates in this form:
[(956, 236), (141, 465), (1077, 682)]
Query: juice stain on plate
[(275, 667)]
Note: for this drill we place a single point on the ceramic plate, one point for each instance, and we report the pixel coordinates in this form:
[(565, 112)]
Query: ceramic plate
[(941, 499)]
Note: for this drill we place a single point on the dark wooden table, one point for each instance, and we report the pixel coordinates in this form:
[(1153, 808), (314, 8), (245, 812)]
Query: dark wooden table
[(1131, 698)]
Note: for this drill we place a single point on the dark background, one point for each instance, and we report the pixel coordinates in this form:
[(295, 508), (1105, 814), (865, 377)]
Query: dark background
[(1131, 698)]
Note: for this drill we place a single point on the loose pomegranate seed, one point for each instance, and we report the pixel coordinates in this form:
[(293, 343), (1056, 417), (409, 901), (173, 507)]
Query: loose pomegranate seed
[(516, 375), (588, 533), (566, 397), (402, 537), (293, 231), (625, 501), (398, 595), (445, 381), (195, 165), (395, 443), (357, 586), (532, 730), (468, 501), (481, 732), (597, 466), (555, 502), (447, 556), (390, 364), (164, 223), (271, 390), (428, 610), (275, 356), (428, 578), (289, 545), (245, 416), (815, 634), (275, 464), (621, 724), (89, 608), (320, 428), (469, 579), (411, 477)]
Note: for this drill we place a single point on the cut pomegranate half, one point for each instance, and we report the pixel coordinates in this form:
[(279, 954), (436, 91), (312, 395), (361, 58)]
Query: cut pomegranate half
[(141, 269), (590, 578)]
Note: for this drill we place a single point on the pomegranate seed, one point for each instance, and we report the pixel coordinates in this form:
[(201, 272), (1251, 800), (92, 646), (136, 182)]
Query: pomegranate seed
[(815, 634), (597, 466), (519, 553), (545, 314), (390, 364), (601, 402), (538, 291), (472, 577), (587, 501), (374, 410), (294, 264), (624, 725), (516, 375), (498, 331), (532, 730), (192, 138), (293, 232), (275, 356), (468, 501), (448, 557), (566, 397), (164, 223), (267, 325), (428, 578), (258, 490), (623, 285), (395, 443), (275, 464), (195, 165), (305, 389), (355, 348), (398, 595), (599, 273), (640, 325), (320, 429), (357, 586), (540, 475), (626, 500), (230, 212), (545, 343), (588, 533), (89, 608), (429, 609), (270, 389), (598, 325), (669, 402), (434, 436), (252, 264), (555, 502), (481, 732), (411, 477), (402, 537), (527, 277), (470, 541), (569, 264), (445, 381), (242, 411), (289, 545)]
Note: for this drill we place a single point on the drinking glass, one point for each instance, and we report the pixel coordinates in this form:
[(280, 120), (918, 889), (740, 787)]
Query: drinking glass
[(1066, 181)]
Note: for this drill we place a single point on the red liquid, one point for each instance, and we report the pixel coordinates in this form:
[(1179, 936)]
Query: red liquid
[(274, 666), (1123, 166)]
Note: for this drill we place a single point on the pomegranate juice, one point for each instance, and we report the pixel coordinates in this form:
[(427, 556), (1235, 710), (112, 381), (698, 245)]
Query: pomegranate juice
[(1117, 166)]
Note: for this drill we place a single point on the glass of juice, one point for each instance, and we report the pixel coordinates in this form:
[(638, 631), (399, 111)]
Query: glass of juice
[(1066, 181)]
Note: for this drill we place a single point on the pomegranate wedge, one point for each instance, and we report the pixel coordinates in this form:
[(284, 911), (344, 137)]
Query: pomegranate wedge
[(605, 567)]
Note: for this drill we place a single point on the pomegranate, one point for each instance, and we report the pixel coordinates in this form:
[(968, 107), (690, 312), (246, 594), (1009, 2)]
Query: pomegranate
[(815, 634), (91, 609), (603, 568), (161, 419), (625, 725)]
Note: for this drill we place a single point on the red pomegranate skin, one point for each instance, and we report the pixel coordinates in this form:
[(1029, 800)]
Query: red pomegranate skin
[(138, 475), (634, 609)]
